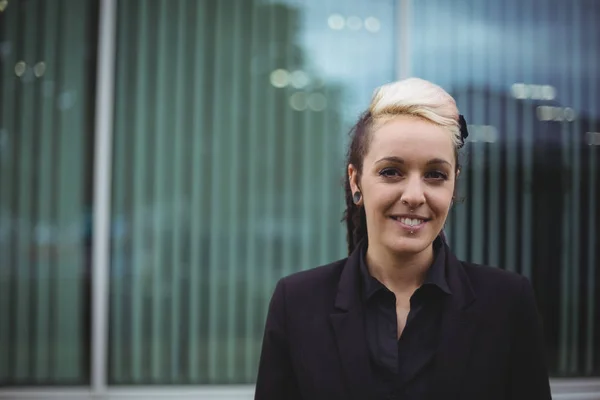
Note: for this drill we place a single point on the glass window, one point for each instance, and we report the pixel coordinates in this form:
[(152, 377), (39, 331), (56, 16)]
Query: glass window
[(527, 77), (230, 131), (231, 121), (47, 62)]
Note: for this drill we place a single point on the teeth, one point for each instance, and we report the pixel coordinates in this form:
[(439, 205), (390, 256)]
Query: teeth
[(411, 221)]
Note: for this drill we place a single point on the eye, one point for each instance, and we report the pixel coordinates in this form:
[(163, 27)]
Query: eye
[(389, 172), (436, 176)]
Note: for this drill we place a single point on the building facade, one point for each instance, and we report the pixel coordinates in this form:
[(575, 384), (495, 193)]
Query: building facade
[(164, 162)]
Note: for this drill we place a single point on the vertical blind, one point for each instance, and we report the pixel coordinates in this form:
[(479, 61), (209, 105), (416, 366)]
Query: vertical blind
[(228, 144), (527, 77), (45, 177)]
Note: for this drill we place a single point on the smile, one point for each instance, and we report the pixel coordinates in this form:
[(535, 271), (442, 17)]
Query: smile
[(410, 221), (411, 224)]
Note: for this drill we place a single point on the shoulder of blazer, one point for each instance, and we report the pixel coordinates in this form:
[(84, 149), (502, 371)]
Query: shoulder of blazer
[(311, 291), (318, 278), (492, 281)]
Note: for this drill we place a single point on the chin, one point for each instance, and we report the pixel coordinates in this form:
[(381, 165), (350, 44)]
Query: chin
[(409, 245)]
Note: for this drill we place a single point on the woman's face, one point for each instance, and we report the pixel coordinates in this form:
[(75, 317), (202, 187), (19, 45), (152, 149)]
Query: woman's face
[(407, 184)]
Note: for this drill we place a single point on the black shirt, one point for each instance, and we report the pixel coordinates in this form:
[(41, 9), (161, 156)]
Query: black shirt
[(398, 362)]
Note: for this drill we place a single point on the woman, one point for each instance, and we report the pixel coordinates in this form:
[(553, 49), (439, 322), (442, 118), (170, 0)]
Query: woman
[(401, 317)]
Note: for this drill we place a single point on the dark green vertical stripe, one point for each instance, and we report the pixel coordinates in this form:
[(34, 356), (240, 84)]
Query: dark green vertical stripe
[(178, 203), (119, 226), (27, 82), (592, 9), (198, 209), (139, 220)]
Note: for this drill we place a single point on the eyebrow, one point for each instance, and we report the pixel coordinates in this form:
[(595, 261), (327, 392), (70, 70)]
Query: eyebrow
[(399, 160)]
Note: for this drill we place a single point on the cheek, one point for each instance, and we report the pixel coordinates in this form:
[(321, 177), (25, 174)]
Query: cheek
[(440, 201), (379, 199)]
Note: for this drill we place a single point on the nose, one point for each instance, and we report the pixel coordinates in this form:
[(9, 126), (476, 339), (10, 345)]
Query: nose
[(413, 194)]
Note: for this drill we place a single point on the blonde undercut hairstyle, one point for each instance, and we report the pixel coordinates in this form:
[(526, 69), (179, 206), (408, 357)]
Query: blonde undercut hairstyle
[(417, 97)]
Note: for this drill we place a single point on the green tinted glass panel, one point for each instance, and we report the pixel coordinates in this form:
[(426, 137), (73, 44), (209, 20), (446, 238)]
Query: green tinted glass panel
[(47, 64)]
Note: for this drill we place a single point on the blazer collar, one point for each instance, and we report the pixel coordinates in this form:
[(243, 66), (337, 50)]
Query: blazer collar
[(349, 288), (460, 284), (436, 274), (349, 330), (457, 328)]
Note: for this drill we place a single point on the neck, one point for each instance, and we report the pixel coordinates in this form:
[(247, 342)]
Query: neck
[(400, 273)]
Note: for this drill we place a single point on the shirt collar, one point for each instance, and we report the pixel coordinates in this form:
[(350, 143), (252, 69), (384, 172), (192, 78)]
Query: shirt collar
[(436, 274)]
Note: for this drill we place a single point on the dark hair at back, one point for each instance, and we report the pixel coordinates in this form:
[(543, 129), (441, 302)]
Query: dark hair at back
[(356, 220), (354, 216)]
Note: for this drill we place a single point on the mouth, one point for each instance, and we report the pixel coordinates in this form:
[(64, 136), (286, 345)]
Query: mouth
[(411, 223)]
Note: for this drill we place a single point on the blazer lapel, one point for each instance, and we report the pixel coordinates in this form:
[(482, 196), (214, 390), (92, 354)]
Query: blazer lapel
[(349, 329), (457, 331)]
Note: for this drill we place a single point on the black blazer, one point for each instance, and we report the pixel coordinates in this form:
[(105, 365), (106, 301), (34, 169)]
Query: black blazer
[(491, 346)]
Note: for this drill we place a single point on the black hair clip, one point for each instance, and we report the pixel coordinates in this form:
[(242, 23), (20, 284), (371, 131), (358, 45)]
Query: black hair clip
[(464, 132)]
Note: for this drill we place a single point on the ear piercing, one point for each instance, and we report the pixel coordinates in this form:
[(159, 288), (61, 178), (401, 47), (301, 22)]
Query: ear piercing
[(356, 197)]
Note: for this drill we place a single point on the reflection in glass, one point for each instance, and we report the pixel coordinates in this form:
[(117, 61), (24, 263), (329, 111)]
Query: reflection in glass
[(231, 119), (45, 191), (531, 71)]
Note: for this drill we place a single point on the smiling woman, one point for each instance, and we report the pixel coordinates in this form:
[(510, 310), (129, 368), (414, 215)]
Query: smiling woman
[(402, 317)]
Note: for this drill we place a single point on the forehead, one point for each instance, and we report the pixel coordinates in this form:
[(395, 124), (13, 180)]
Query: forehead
[(411, 138)]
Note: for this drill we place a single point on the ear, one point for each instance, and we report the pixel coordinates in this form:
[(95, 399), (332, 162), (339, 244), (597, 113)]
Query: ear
[(353, 178)]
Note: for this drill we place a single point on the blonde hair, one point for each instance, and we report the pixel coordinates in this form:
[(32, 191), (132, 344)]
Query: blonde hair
[(417, 97)]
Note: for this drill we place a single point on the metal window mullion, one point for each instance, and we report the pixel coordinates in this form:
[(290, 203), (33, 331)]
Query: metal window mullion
[(102, 192)]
